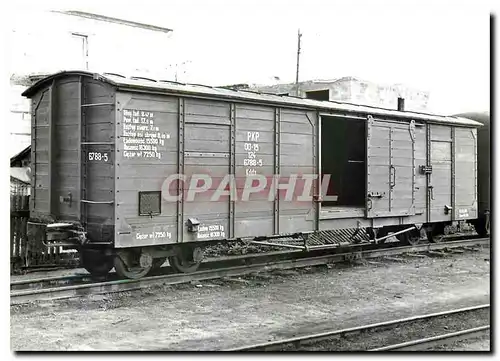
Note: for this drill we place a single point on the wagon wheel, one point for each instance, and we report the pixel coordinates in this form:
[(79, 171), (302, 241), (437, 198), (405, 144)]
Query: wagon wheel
[(187, 260), (482, 227), (435, 238), (134, 272), (158, 262), (436, 234), (411, 237), (95, 262), (382, 233)]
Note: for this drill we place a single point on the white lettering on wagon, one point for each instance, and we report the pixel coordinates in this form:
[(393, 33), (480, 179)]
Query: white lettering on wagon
[(98, 156), (153, 235), (463, 213), (251, 146), (141, 136), (211, 231)]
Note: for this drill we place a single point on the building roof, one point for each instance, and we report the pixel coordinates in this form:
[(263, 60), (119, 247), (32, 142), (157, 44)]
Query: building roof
[(482, 117), (281, 87), (196, 90), (109, 19), (312, 81), (19, 155), (287, 87), (22, 174)]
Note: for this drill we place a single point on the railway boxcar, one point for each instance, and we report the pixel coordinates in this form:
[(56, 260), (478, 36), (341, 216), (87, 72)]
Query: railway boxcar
[(482, 224), (131, 171)]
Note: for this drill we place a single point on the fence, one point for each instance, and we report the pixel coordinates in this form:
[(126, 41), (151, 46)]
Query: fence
[(25, 254)]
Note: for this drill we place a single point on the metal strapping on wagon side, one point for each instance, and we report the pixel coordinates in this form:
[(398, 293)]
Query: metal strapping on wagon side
[(248, 96), (337, 237)]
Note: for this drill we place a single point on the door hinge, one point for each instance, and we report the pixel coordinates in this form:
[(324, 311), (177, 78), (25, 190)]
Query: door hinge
[(411, 129), (425, 169), (376, 194), (68, 199)]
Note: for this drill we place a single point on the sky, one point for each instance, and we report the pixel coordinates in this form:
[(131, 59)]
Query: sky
[(442, 47)]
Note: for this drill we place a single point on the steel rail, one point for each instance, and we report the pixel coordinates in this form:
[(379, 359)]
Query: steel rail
[(30, 295), (28, 283), (219, 259), (25, 284), (81, 276), (361, 329), (76, 276), (425, 343)]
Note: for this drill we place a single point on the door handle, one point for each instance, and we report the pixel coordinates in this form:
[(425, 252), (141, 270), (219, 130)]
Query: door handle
[(393, 174), (431, 190)]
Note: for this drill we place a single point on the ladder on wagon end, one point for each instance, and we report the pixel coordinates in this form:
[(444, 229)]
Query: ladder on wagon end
[(87, 156)]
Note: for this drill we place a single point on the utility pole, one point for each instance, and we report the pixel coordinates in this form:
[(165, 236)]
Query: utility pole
[(299, 35)]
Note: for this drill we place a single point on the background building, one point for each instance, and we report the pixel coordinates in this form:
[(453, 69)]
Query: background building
[(352, 90), (78, 40)]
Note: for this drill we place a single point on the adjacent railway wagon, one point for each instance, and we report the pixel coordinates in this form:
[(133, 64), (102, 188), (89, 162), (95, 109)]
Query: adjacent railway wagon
[(483, 221), (131, 171)]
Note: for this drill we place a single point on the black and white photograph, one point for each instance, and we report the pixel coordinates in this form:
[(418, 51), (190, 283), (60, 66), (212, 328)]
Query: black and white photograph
[(259, 177)]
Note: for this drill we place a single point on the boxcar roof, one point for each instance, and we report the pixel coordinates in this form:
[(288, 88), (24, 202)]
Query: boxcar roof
[(168, 87)]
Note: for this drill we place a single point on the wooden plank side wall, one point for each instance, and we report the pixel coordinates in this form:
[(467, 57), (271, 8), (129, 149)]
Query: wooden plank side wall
[(465, 193), (39, 156), (402, 158), (297, 157), (66, 154), (394, 152), (208, 128), (420, 179), (97, 159), (441, 177), (207, 145), (378, 161), (255, 127), (147, 172)]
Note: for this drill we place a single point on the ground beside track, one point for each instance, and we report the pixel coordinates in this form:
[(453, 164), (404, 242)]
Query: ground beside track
[(474, 344), (223, 314)]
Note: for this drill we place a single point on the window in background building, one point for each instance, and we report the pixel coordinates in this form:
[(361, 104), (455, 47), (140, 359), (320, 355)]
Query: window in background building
[(318, 94), (83, 52)]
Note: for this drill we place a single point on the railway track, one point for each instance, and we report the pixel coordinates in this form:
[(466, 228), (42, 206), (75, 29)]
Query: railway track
[(440, 340), (26, 291), (364, 338), (209, 263)]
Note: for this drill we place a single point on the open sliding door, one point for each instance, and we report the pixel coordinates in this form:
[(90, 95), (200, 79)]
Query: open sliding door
[(390, 169)]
